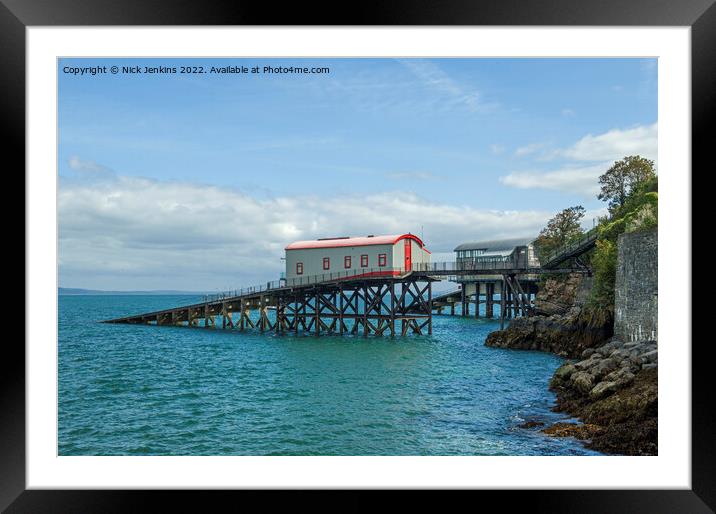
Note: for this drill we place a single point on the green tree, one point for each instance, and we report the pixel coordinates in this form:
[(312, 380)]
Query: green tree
[(623, 178), (560, 230)]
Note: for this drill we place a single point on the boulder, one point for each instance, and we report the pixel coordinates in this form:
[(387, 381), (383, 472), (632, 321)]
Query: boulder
[(609, 347), (649, 357), (587, 353), (531, 424), (603, 389), (620, 354), (588, 363), (582, 381), (565, 371), (621, 377), (603, 367)]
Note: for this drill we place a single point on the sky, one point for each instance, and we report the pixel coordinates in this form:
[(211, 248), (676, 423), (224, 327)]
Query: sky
[(198, 181)]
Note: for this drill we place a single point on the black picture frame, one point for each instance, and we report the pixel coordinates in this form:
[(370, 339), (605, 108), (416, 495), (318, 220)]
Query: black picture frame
[(700, 15)]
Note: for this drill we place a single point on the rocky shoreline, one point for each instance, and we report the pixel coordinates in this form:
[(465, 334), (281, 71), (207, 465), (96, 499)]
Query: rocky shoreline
[(609, 384), (614, 391)]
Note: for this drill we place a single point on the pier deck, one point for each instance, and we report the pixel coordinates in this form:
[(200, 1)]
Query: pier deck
[(391, 301)]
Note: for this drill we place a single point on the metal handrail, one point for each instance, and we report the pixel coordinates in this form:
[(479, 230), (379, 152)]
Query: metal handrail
[(587, 237), (498, 264)]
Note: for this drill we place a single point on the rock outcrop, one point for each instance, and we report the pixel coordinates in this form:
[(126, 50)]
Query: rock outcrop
[(566, 335), (557, 295), (562, 325), (611, 385), (613, 389)]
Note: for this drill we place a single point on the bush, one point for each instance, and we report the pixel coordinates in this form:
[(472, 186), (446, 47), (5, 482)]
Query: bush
[(604, 266), (639, 212)]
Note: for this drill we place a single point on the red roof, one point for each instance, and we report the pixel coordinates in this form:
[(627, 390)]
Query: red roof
[(340, 242)]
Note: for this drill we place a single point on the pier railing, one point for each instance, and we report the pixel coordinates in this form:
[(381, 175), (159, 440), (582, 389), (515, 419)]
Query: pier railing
[(308, 280), (446, 267), (581, 244)]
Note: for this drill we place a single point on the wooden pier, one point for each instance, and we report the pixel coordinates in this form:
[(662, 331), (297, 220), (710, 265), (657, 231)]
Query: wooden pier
[(518, 299), (396, 304), (379, 306)]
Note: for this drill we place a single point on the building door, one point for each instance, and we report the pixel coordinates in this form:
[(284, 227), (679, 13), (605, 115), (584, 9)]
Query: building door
[(408, 255)]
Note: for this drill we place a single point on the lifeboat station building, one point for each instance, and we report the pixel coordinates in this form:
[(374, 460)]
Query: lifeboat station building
[(482, 290), (519, 251), (353, 257)]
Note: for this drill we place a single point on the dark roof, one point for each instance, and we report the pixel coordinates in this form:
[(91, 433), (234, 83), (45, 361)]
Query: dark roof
[(496, 245)]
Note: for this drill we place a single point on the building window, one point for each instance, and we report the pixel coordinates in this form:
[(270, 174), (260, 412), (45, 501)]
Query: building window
[(326, 263), (347, 261), (381, 259), (363, 261), (299, 268)]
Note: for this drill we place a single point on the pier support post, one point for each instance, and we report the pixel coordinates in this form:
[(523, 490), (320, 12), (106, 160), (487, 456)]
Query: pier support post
[(489, 299), (430, 308), (477, 299), (463, 299), (278, 324), (365, 310), (341, 310), (502, 304), (392, 308), (295, 313), (208, 318), (226, 315)]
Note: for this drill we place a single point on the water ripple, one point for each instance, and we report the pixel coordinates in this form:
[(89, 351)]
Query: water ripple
[(137, 390)]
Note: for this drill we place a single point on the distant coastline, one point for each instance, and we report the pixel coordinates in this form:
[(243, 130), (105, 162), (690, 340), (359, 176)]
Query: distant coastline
[(73, 291)]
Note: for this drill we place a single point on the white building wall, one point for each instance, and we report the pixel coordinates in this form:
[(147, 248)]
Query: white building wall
[(312, 259), (418, 255)]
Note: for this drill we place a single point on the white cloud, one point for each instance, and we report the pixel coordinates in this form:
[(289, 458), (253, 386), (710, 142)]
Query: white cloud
[(135, 233), (528, 149), (581, 180), (497, 149), (586, 160), (568, 112), (89, 168), (615, 144), (433, 77)]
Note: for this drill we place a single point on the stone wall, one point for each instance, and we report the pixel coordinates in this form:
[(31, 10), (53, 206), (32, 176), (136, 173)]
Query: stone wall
[(636, 291)]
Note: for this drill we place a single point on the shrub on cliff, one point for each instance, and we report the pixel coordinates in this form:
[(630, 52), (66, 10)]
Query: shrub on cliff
[(604, 266), (638, 211)]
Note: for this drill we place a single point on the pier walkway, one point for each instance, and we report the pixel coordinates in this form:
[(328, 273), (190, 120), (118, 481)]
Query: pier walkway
[(379, 301)]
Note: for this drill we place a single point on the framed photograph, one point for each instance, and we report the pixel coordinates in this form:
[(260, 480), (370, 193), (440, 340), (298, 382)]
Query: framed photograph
[(414, 249)]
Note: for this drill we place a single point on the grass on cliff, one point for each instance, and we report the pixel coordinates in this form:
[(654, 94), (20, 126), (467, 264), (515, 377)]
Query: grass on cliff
[(639, 212)]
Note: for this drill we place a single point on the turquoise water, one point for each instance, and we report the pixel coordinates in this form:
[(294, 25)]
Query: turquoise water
[(144, 390)]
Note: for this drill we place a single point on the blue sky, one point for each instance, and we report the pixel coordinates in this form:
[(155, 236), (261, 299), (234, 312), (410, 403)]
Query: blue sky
[(235, 166)]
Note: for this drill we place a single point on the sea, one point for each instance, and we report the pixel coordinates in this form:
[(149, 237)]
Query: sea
[(147, 390)]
